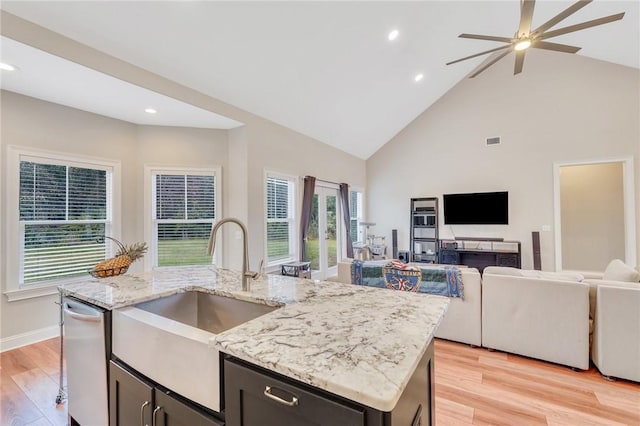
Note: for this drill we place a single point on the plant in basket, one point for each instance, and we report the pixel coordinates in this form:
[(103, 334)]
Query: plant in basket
[(126, 255)]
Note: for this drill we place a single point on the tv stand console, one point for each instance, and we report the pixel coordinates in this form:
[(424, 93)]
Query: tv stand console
[(480, 253)]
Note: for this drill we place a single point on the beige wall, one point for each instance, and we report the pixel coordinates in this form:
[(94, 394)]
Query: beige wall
[(172, 147), (28, 122), (254, 145), (277, 149), (243, 155), (32, 123), (561, 108), (592, 206)]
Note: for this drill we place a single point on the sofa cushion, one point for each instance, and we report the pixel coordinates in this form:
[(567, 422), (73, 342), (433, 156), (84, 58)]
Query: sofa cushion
[(617, 270), (503, 270), (515, 272), (556, 276)]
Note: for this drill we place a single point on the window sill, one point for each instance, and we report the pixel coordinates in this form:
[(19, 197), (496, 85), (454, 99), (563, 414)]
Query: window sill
[(35, 290), (30, 292)]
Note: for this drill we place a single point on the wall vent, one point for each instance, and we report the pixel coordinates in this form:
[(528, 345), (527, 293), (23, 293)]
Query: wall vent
[(493, 141)]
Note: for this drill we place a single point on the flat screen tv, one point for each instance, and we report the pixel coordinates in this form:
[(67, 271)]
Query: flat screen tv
[(480, 208)]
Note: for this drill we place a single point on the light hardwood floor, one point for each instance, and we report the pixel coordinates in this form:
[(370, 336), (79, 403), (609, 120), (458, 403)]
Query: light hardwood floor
[(473, 387)]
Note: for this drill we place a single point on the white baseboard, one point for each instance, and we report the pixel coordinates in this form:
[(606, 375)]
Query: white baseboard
[(28, 338)]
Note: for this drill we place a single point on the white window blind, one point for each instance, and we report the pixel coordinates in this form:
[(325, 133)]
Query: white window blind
[(280, 219), (355, 213), (184, 212), (64, 217)]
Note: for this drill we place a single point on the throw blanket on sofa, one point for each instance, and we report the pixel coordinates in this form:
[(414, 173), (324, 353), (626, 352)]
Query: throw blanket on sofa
[(440, 280)]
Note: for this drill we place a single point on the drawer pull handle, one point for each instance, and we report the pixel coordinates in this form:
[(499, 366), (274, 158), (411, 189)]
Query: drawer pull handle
[(155, 412), (142, 423), (269, 394)]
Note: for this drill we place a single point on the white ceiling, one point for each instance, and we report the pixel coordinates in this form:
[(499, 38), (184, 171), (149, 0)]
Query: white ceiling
[(45, 76), (325, 69)]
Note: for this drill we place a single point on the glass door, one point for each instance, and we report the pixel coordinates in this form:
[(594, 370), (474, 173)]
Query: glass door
[(324, 230)]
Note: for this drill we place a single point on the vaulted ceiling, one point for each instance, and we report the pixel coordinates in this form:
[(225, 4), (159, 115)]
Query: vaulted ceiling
[(325, 69)]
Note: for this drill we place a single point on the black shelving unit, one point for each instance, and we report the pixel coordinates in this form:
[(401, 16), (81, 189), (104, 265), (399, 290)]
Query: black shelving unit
[(424, 230)]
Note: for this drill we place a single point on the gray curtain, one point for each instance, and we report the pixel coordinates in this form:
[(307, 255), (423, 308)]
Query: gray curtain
[(344, 196), (305, 218)]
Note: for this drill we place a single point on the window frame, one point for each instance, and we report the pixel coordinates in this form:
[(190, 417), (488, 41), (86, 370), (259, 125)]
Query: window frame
[(293, 215), (362, 211), (150, 231), (14, 289)]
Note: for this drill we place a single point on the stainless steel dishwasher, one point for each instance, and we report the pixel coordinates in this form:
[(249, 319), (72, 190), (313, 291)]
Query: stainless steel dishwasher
[(87, 331)]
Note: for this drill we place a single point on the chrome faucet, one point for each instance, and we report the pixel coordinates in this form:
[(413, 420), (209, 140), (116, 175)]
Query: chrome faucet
[(246, 273)]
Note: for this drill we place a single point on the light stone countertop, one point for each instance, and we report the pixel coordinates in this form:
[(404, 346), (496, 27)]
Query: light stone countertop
[(357, 342)]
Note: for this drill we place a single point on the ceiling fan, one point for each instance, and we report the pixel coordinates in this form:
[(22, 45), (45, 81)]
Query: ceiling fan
[(526, 38)]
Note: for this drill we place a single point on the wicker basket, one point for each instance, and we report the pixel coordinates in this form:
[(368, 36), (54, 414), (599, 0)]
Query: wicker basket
[(105, 273)]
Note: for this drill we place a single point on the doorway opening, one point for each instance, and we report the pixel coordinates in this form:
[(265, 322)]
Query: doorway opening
[(594, 214)]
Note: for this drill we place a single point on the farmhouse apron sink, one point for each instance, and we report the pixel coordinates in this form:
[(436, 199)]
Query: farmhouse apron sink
[(167, 340)]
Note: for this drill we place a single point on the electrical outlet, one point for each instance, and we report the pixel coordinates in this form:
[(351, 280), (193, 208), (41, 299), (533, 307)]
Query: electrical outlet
[(238, 235), (546, 228)]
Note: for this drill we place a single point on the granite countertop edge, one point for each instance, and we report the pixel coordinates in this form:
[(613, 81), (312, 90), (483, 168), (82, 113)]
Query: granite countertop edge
[(349, 340)]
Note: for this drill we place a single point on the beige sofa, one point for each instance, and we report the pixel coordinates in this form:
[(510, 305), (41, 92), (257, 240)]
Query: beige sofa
[(462, 322), (615, 305), (542, 315), (549, 315)]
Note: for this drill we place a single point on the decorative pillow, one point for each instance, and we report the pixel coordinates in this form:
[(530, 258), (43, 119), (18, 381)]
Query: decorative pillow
[(617, 270)]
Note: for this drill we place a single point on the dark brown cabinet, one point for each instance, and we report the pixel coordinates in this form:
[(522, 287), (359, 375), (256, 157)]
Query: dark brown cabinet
[(481, 253), (257, 397), (133, 400), (130, 398), (169, 411), (253, 398)]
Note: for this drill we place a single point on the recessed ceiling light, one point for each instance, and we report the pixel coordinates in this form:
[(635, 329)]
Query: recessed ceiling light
[(393, 35), (418, 77), (7, 67), (150, 111)]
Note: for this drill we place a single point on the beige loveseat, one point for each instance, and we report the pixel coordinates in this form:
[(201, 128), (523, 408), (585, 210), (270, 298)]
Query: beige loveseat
[(615, 307), (542, 315), (462, 322)]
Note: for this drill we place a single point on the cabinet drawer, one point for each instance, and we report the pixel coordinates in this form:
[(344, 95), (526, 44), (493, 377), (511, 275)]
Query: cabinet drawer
[(508, 260), (449, 257), (253, 398), (173, 412)]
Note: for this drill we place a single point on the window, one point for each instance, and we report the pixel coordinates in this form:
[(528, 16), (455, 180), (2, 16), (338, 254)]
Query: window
[(280, 235), (183, 212), (62, 208), (356, 213)]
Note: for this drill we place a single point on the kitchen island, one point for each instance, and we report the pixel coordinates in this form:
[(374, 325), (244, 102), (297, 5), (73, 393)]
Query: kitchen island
[(363, 345)]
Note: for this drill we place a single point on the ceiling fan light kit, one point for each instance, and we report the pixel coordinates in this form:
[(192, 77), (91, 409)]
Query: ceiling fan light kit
[(522, 44), (525, 38)]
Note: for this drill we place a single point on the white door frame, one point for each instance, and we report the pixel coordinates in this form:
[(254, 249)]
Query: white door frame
[(322, 190), (629, 206)]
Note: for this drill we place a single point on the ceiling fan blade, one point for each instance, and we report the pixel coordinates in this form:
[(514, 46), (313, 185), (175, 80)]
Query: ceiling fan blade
[(519, 62), (488, 64), (562, 16), (526, 13), (486, 37), (538, 44), (479, 54), (582, 26)]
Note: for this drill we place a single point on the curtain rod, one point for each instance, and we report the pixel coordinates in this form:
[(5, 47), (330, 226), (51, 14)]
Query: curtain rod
[(325, 181)]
